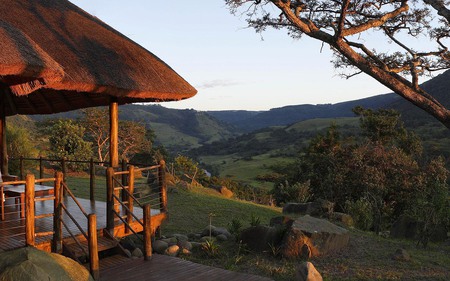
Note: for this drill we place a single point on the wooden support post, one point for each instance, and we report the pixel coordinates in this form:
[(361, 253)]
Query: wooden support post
[(64, 171), (114, 133), (3, 144), (162, 185), (93, 246), (41, 168), (129, 198), (92, 180), (147, 232), (22, 168), (57, 223), (124, 180), (29, 210), (110, 200)]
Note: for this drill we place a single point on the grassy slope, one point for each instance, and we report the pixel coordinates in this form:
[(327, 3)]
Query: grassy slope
[(367, 257)]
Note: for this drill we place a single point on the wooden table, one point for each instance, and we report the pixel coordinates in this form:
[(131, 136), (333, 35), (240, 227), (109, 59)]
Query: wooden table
[(18, 191)]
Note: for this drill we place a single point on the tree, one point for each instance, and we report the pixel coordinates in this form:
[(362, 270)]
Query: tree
[(66, 141), (346, 26), (133, 136), (19, 144)]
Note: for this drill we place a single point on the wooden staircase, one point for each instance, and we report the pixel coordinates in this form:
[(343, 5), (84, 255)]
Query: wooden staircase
[(79, 250)]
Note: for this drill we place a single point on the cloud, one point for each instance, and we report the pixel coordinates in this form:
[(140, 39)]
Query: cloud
[(217, 83)]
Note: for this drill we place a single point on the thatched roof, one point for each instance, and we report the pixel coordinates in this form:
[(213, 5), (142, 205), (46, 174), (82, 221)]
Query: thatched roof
[(24, 66), (98, 62)]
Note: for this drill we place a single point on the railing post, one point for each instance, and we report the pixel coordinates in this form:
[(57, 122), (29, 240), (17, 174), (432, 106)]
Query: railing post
[(124, 180), (162, 185), (92, 180), (41, 168), (110, 200), (93, 246), (21, 168), (129, 198), (57, 224), (29, 210), (147, 232), (63, 168)]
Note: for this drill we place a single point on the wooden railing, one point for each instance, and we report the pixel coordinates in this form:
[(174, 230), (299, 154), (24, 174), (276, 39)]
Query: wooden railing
[(60, 222), (121, 200)]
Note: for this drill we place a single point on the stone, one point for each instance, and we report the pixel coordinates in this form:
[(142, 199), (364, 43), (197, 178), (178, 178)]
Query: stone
[(186, 252), (137, 253), (127, 253), (221, 237), (221, 230), (160, 246), (226, 192), (307, 272), (172, 251), (319, 207), (309, 237), (185, 245), (260, 238), (345, 219), (280, 221), (30, 264), (401, 255), (196, 245), (207, 231), (181, 237), (128, 243), (207, 238)]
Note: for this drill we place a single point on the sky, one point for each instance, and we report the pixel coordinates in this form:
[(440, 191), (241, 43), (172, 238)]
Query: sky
[(231, 66)]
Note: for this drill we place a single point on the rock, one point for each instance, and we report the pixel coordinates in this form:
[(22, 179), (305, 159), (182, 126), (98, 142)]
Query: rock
[(207, 238), (259, 238), (128, 243), (226, 192), (181, 237), (407, 227), (281, 221), (30, 264), (222, 190), (317, 208), (307, 272), (196, 245), (221, 237), (160, 246), (172, 251), (185, 252), (206, 231), (345, 219), (127, 253), (137, 253), (221, 231), (401, 255), (185, 245), (310, 237)]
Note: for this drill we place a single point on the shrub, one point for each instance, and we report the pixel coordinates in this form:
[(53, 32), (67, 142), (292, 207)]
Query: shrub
[(361, 212)]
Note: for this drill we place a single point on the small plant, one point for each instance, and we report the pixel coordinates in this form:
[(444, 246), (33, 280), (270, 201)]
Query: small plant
[(255, 221), (274, 249), (210, 248), (235, 228)]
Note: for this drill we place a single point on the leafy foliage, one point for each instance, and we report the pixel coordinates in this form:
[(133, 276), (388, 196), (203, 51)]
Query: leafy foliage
[(66, 141), (19, 144)]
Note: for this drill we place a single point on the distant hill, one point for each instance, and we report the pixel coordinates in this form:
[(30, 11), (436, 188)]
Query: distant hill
[(177, 130), (248, 121), (254, 120)]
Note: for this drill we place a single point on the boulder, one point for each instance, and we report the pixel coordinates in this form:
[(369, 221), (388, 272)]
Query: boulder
[(260, 238), (310, 237), (210, 229), (345, 219), (172, 251), (307, 272), (160, 246), (281, 221), (222, 190), (181, 237), (137, 253), (317, 208), (221, 231), (185, 245), (221, 237), (30, 264)]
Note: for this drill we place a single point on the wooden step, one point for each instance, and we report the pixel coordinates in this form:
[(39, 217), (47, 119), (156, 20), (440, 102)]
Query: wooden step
[(75, 251)]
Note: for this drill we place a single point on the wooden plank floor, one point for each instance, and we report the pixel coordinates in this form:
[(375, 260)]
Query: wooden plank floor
[(162, 267), (12, 229)]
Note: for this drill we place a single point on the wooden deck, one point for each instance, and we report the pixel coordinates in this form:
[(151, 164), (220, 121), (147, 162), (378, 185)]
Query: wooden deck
[(12, 229), (162, 267)]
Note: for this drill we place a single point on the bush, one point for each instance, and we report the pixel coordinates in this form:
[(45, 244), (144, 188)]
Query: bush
[(361, 212), (298, 192)]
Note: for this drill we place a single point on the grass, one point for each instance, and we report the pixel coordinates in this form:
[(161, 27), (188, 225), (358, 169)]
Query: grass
[(367, 257)]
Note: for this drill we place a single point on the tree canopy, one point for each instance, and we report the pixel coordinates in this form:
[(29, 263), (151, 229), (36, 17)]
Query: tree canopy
[(418, 34)]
